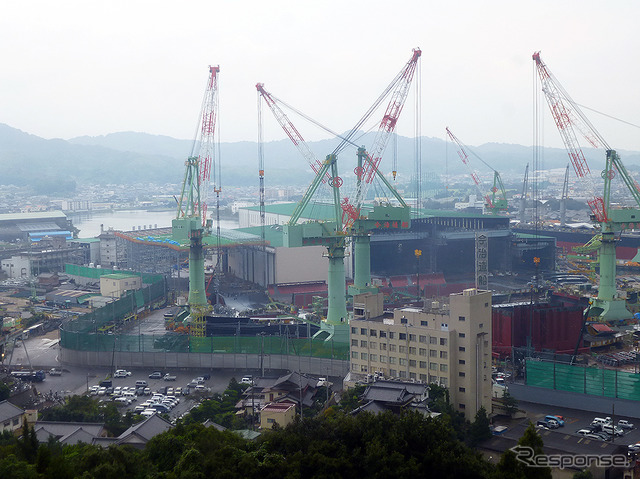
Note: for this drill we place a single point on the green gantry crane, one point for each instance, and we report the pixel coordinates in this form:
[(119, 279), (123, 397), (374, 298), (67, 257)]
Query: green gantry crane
[(351, 218), (607, 306)]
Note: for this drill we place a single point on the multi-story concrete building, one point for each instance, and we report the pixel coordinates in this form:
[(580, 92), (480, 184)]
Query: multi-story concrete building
[(446, 342)]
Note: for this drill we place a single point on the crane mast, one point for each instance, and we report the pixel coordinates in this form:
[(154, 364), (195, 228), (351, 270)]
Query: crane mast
[(563, 198), (191, 223), (569, 118), (523, 198)]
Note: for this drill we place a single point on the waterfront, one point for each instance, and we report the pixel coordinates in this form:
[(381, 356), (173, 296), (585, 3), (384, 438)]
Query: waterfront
[(127, 220)]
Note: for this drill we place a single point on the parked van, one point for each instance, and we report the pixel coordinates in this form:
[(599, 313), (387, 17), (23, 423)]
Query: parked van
[(141, 383), (601, 421)]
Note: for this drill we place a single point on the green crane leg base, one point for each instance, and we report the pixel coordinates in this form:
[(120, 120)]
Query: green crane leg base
[(339, 333), (610, 311)]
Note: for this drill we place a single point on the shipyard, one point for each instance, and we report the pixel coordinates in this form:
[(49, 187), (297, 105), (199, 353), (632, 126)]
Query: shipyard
[(332, 289)]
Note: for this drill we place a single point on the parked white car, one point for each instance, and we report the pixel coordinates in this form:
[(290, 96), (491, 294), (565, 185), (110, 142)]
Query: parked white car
[(121, 373)]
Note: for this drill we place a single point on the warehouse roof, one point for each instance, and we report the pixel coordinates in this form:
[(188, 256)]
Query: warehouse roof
[(32, 216)]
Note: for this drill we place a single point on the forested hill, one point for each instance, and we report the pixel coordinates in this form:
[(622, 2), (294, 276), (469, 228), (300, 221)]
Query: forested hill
[(128, 157)]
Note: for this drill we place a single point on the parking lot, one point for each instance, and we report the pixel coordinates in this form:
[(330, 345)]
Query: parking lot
[(576, 420), (80, 380)]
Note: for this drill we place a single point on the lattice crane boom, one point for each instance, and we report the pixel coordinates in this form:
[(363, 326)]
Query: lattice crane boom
[(400, 89), (568, 118), (289, 128)]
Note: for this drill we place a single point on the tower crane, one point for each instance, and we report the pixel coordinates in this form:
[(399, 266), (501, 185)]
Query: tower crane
[(350, 217), (191, 223), (569, 118), (496, 201)]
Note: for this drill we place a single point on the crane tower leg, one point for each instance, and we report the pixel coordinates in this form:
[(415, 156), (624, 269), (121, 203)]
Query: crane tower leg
[(362, 266), (336, 326)]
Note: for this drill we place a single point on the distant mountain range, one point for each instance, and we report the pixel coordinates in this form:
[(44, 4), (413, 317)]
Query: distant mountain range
[(129, 157)]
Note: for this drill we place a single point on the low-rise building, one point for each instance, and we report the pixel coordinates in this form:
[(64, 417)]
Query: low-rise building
[(114, 285), (446, 342), (11, 417), (280, 413)]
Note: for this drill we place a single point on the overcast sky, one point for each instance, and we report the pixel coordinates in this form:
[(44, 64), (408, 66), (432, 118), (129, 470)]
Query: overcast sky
[(72, 68)]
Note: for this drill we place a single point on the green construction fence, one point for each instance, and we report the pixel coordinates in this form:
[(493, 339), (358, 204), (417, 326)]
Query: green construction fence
[(181, 343), (597, 381)]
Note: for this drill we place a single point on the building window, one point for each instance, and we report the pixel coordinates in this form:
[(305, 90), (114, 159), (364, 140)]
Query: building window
[(403, 374), (403, 320), (373, 357), (444, 382), (402, 362), (354, 342), (433, 340), (433, 353), (363, 356), (433, 379), (392, 360), (461, 318), (444, 368), (354, 330), (461, 374), (271, 420), (354, 354), (383, 359), (383, 334), (481, 325), (461, 361), (412, 351), (461, 349), (423, 339), (443, 341), (461, 406), (383, 346), (391, 335), (363, 344), (403, 336), (461, 390), (412, 375), (373, 345), (486, 305), (423, 365), (354, 367), (412, 363), (433, 366), (393, 373), (363, 369), (443, 355), (461, 335), (392, 348), (373, 332), (424, 323), (423, 352), (412, 337), (363, 331), (402, 349)]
